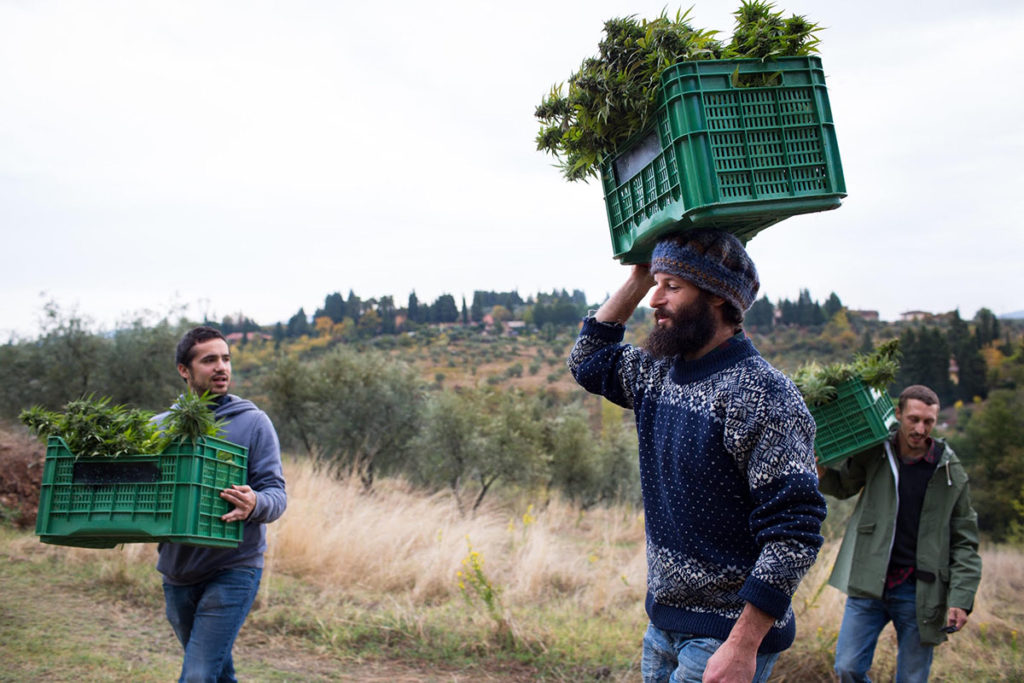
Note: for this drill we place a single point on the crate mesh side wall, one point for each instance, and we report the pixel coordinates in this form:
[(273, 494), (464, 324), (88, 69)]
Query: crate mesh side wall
[(152, 505), (856, 419)]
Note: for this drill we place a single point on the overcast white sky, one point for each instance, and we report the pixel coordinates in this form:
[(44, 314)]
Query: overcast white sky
[(256, 156)]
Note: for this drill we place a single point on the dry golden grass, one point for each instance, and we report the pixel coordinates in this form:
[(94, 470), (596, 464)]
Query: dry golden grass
[(399, 543), (375, 574), (396, 541)]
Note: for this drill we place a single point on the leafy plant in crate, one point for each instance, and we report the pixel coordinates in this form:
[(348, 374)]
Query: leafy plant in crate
[(849, 403), (613, 96), (93, 427), (191, 418), (876, 370), (116, 476)]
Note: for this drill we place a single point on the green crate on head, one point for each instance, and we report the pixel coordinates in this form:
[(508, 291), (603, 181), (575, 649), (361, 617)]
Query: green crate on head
[(737, 145), (100, 502), (857, 419)]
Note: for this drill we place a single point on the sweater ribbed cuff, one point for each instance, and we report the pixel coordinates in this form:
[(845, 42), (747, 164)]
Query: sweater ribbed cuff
[(609, 332), (765, 597)]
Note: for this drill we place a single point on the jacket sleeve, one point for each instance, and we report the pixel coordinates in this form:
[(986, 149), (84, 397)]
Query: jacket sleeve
[(964, 560), (849, 477), (265, 473), (602, 365)]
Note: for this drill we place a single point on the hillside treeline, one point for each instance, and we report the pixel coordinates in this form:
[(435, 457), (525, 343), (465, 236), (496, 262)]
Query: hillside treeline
[(483, 403)]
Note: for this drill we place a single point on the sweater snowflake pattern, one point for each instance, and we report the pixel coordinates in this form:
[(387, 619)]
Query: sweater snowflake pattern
[(731, 502)]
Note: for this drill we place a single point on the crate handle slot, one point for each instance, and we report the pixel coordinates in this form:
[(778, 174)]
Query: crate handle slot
[(105, 473)]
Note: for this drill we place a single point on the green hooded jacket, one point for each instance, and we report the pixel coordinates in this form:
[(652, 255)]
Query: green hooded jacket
[(948, 564)]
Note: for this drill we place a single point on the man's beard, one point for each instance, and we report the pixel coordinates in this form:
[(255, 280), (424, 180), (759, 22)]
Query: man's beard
[(690, 330)]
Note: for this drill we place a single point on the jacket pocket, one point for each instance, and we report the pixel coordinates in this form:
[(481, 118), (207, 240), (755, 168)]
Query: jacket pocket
[(868, 528)]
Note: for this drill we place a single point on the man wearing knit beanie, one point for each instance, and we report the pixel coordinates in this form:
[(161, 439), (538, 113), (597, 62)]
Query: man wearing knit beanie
[(727, 470)]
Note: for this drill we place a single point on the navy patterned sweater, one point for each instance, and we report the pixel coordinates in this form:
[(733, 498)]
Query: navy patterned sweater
[(731, 503)]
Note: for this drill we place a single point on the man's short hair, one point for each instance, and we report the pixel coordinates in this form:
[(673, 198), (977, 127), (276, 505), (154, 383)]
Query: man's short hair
[(731, 315), (918, 392), (197, 335)]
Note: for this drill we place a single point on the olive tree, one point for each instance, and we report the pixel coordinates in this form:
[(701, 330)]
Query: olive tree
[(354, 411)]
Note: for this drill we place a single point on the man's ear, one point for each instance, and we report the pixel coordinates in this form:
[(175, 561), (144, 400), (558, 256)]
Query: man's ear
[(183, 371), (716, 300)]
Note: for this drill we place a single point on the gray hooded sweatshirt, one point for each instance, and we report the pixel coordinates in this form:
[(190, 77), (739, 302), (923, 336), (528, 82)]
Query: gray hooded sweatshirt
[(248, 426)]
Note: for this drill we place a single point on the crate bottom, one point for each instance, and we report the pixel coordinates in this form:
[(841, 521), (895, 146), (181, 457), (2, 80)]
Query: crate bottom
[(102, 542), (742, 219), (835, 458)]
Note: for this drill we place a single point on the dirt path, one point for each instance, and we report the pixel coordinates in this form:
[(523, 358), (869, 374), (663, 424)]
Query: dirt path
[(52, 629)]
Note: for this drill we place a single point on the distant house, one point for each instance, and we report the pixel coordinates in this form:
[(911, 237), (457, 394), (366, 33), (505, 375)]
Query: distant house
[(916, 316), (866, 315), (238, 336)]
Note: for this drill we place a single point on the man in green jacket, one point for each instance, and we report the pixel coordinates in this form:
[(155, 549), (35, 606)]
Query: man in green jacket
[(910, 552)]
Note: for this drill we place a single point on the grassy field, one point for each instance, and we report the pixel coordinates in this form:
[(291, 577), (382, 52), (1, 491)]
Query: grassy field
[(395, 585)]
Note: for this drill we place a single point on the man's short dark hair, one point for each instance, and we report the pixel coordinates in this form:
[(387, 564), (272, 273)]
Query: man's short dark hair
[(197, 335), (918, 392)]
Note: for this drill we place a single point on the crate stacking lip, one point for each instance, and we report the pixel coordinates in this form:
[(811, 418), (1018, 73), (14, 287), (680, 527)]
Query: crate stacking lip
[(857, 419), (736, 144), (173, 496)]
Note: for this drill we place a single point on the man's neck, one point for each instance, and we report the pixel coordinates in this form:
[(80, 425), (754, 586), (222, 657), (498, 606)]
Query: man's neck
[(908, 454), (724, 333)]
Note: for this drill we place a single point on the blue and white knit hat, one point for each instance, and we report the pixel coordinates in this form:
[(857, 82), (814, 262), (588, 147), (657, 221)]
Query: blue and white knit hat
[(713, 260)]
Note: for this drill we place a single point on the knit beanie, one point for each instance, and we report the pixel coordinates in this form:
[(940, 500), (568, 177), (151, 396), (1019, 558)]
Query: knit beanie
[(713, 260)]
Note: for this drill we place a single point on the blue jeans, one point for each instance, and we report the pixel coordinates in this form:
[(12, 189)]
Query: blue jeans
[(207, 616), (681, 658), (863, 621)]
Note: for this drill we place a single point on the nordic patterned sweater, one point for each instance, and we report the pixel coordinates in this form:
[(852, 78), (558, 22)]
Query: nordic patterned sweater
[(731, 503)]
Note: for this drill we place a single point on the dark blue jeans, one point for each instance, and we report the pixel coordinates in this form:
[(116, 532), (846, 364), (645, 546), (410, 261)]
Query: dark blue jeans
[(206, 617), (863, 621), (671, 657)]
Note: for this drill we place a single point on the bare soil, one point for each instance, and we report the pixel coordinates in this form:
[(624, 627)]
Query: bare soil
[(21, 475)]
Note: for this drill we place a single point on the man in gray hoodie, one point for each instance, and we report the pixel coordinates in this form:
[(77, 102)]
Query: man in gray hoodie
[(208, 591)]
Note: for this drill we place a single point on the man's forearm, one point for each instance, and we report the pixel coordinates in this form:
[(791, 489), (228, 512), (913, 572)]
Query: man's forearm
[(750, 629), (620, 305), (736, 658)]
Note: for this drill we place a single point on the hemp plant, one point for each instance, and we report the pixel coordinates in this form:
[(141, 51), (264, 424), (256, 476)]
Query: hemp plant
[(817, 384), (191, 418), (614, 96), (94, 427)]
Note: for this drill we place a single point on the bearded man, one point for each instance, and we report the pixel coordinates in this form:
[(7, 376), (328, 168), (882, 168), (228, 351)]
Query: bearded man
[(727, 470)]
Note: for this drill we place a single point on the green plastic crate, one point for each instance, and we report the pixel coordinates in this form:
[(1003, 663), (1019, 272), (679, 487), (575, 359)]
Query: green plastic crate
[(858, 418), (174, 496), (725, 154)]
